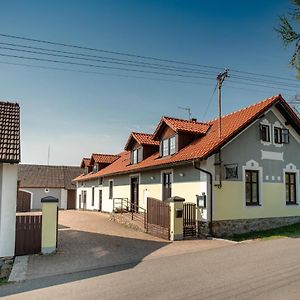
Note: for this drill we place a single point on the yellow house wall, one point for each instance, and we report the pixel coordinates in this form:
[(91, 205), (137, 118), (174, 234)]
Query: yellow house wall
[(229, 203)]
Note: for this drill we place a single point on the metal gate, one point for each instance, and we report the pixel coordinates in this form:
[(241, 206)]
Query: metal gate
[(158, 218), (189, 220), (28, 234)]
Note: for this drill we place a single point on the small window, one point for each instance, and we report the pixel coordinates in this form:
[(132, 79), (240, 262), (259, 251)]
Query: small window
[(277, 135), (135, 156), (165, 144), (100, 181), (231, 171), (265, 133), (290, 188), (285, 136), (172, 145), (111, 186), (168, 146), (252, 187), (167, 185)]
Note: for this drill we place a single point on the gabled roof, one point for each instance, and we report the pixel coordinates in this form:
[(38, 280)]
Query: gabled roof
[(103, 158), (180, 125), (85, 162), (142, 139), (43, 176), (9, 132), (203, 146)]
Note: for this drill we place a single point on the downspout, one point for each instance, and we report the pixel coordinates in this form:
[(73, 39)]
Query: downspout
[(211, 195)]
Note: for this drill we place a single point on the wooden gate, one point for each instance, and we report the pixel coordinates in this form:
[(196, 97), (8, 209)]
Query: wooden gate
[(189, 220), (23, 201), (71, 199), (28, 234), (158, 218)]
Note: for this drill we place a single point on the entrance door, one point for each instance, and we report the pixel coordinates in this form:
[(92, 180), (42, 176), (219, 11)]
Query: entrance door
[(23, 201), (167, 185), (100, 200), (84, 199), (134, 193), (71, 199), (80, 201)]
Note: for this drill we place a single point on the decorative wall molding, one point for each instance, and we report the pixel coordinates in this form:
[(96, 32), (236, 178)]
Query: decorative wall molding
[(271, 155)]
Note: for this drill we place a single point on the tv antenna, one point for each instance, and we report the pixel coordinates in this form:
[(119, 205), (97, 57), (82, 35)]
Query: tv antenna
[(186, 109)]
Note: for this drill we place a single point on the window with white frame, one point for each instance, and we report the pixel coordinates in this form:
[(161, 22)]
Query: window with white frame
[(281, 136), (168, 146), (265, 132), (252, 187), (136, 155), (290, 188)]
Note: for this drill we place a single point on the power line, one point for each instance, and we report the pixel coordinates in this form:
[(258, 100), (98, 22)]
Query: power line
[(209, 102), (138, 56)]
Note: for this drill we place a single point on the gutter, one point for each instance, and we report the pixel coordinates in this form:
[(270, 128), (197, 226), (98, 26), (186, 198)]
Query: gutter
[(211, 195)]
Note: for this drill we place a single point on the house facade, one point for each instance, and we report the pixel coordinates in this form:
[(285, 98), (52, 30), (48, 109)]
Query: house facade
[(38, 181), (9, 159), (248, 174)]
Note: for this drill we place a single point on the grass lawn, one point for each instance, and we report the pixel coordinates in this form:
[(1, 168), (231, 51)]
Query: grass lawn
[(287, 231), (3, 281)]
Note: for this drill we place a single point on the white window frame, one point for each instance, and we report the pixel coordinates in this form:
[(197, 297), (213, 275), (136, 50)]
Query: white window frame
[(291, 168), (277, 125), (267, 123), (252, 165)]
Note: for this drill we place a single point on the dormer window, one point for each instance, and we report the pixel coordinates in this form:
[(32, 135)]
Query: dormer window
[(137, 155), (168, 146)]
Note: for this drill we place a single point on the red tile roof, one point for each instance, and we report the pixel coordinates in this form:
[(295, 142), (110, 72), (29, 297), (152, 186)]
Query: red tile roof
[(85, 162), (202, 147), (179, 125), (142, 139), (9, 132), (103, 158)]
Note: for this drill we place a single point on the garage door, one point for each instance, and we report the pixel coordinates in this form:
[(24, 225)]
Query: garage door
[(23, 201)]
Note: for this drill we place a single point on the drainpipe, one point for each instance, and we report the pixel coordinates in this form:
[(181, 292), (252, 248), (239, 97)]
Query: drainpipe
[(211, 195)]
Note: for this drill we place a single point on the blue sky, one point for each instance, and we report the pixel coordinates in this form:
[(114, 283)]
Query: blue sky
[(79, 113)]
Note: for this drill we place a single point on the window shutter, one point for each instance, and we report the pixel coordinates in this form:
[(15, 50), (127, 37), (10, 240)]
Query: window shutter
[(160, 148), (140, 154)]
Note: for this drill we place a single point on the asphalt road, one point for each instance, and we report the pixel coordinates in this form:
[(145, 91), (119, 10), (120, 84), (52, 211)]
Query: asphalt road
[(255, 270)]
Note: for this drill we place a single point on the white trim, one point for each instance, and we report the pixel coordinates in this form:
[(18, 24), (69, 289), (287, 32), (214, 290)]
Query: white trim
[(161, 181), (271, 155), (291, 168), (254, 166), (31, 196), (267, 123)]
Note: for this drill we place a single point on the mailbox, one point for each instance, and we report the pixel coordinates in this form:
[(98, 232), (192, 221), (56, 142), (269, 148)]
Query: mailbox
[(179, 212), (201, 200)]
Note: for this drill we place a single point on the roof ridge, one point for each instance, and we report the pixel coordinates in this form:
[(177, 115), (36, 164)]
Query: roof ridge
[(104, 154), (247, 107), (185, 120), (145, 133), (8, 102)]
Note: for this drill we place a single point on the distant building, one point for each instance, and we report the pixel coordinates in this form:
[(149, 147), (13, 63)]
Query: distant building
[(38, 181)]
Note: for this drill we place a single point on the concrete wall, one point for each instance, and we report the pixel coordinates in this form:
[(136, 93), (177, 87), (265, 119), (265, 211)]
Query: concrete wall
[(38, 193), (8, 196)]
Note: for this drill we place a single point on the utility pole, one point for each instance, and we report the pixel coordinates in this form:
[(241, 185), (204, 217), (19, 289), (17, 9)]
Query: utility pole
[(188, 110), (220, 78)]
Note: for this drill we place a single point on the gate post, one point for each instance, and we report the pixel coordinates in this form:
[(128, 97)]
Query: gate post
[(176, 218), (49, 224)]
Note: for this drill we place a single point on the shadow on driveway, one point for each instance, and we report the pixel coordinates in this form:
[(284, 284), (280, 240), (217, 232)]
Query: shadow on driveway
[(82, 255)]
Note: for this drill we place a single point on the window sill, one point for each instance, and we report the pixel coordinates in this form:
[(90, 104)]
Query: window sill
[(253, 205)]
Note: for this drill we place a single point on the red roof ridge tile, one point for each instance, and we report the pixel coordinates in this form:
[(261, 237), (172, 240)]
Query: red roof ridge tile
[(185, 120)]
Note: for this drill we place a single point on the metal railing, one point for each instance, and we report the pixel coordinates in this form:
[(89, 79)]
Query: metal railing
[(138, 214)]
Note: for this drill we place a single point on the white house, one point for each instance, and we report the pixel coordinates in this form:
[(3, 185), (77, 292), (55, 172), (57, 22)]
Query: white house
[(248, 171), (9, 159)]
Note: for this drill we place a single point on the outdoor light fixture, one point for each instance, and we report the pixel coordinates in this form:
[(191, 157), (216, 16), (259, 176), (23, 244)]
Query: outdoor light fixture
[(181, 174), (152, 177)]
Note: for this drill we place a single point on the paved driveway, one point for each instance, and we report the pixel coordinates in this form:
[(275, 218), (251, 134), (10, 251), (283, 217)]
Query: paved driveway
[(88, 240)]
